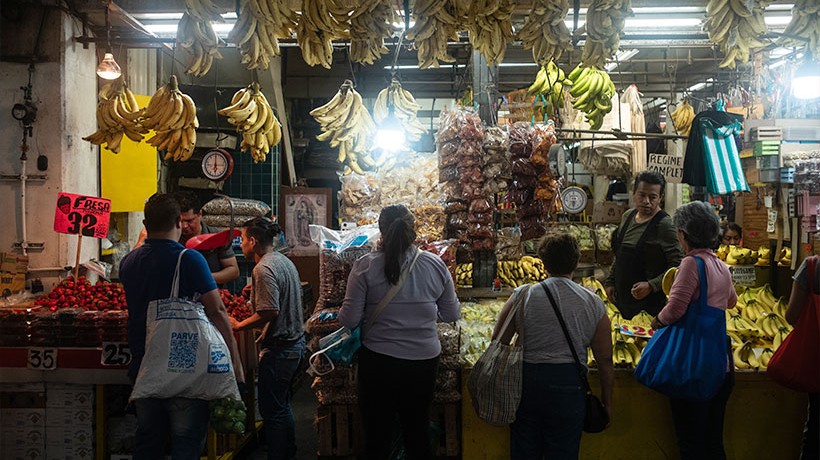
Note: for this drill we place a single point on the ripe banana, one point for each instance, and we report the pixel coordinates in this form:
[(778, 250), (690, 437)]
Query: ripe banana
[(253, 116), (346, 124), (172, 115), (436, 22), (490, 28), (550, 81), (593, 90), (404, 106), (203, 10), (370, 23), (605, 21), (737, 27), (544, 31), (118, 115), (682, 117), (198, 38), (258, 28), (805, 22), (321, 22)]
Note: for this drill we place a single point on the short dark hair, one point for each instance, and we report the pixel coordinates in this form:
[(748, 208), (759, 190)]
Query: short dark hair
[(188, 201), (651, 178), (733, 227), (161, 213), (559, 252), (263, 229), (699, 224)]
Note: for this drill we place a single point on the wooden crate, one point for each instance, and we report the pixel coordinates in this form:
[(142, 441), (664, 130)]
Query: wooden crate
[(340, 430)]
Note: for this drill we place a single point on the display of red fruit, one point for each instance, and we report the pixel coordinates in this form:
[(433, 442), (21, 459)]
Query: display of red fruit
[(70, 293)]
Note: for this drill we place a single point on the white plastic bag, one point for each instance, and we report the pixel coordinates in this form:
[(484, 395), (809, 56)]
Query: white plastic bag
[(185, 355)]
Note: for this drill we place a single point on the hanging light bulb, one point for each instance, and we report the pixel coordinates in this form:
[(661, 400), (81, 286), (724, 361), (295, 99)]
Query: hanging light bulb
[(108, 68)]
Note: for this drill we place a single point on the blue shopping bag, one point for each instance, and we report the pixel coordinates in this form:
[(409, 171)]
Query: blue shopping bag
[(688, 359)]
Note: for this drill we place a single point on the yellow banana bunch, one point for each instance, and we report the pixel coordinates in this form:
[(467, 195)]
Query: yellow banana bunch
[(346, 125), (550, 80), (735, 338), (744, 357), (736, 28), (785, 257), (642, 319), (117, 114), (253, 116), (514, 273), (604, 25), (625, 353), (765, 298), (203, 10), (321, 22), (780, 306), (780, 336), (770, 325), (722, 251), (258, 28), (743, 327), (544, 31), (404, 106), (592, 283), (371, 22), (669, 280), (682, 117), (593, 90), (490, 28), (805, 23), (172, 115), (464, 274), (765, 357), (198, 38), (763, 255), (435, 24), (753, 311), (740, 256)]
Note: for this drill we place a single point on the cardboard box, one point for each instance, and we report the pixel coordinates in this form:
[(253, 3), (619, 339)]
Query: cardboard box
[(69, 417), (609, 212), (69, 436), (22, 419), (69, 396), (13, 263)]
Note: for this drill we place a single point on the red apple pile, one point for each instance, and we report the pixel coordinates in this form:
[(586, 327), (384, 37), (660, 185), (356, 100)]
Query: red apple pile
[(235, 304), (79, 293)]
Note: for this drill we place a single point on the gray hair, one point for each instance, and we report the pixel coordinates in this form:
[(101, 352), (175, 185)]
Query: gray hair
[(700, 224)]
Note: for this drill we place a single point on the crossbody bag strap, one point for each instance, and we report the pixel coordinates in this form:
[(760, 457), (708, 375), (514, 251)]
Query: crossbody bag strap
[(175, 283), (554, 304), (392, 292)]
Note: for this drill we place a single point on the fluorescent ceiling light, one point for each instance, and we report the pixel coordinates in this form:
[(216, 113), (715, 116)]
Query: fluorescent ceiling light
[(777, 20), (172, 16), (658, 23), (701, 85), (623, 55), (443, 66), (518, 64)]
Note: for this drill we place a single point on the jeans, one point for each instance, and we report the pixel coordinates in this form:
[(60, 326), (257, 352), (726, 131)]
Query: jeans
[(550, 417), (699, 424), (391, 387), (185, 420), (277, 368)]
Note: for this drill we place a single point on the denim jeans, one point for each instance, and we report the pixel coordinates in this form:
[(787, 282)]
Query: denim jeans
[(550, 417), (277, 368), (185, 420)]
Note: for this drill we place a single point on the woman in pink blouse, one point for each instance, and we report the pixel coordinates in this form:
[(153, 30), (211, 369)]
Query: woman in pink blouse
[(699, 424)]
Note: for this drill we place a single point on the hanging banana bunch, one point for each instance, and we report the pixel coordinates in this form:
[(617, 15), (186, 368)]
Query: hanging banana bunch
[(435, 24), (682, 117), (593, 90), (346, 125), (203, 10), (736, 27), (805, 23), (253, 116), (172, 115), (544, 31), (490, 28), (405, 109), (258, 28), (604, 25), (322, 21), (198, 38), (371, 22), (118, 114), (550, 81)]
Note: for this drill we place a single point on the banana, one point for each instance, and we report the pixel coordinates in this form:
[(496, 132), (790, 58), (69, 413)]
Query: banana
[(682, 117), (604, 24), (197, 37), (370, 23), (544, 31), (258, 29), (117, 114), (435, 23), (174, 121), (805, 23), (252, 115), (405, 109), (736, 29), (347, 125)]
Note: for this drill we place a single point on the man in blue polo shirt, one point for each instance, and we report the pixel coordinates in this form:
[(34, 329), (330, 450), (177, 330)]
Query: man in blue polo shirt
[(146, 274)]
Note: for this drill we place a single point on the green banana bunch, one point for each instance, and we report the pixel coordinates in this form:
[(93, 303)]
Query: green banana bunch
[(550, 80), (593, 90)]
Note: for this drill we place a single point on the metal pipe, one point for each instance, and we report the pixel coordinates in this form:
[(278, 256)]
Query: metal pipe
[(620, 134), (23, 178)]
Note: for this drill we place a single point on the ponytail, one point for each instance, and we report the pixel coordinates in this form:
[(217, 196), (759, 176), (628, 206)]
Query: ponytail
[(263, 230), (396, 224)]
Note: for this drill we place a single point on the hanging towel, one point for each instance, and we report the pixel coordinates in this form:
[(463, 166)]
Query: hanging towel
[(694, 164), (724, 174)]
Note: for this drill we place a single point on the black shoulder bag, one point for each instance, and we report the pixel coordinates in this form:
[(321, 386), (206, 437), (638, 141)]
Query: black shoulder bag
[(596, 418)]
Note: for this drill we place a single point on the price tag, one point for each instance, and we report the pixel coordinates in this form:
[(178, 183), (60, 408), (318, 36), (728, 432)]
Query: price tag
[(42, 359), (635, 330), (115, 354), (82, 215), (743, 275), (772, 219)]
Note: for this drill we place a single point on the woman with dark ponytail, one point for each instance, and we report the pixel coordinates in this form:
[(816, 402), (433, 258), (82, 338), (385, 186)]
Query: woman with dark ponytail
[(398, 360)]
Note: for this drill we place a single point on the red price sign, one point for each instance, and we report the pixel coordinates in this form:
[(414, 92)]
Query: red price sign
[(82, 215)]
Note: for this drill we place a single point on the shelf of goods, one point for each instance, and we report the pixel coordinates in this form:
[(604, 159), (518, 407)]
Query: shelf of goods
[(763, 419), (65, 356)]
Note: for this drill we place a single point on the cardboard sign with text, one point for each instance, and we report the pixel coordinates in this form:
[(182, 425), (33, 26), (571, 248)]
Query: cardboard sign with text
[(670, 166), (82, 215)]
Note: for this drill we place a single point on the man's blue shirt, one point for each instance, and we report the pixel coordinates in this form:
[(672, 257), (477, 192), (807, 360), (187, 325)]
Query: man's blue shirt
[(147, 274)]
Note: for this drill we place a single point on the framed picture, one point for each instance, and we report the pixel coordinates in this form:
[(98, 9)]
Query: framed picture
[(299, 208)]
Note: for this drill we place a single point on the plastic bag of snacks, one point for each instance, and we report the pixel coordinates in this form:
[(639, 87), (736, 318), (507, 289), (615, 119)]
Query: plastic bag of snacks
[(358, 196), (337, 252), (241, 207), (446, 250)]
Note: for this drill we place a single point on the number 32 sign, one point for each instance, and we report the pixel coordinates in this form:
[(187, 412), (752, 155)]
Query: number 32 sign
[(82, 215)]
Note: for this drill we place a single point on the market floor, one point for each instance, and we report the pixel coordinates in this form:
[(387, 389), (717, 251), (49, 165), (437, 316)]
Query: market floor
[(304, 407)]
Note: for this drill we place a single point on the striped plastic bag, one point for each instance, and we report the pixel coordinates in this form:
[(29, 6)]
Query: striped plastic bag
[(724, 174)]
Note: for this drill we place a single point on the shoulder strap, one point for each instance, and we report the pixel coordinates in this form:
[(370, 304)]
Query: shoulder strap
[(175, 283), (703, 281), (558, 314), (392, 292), (652, 228), (811, 271), (618, 236)]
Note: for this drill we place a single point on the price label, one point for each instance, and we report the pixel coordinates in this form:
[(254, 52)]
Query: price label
[(743, 275), (115, 354), (82, 215), (771, 221), (42, 359)]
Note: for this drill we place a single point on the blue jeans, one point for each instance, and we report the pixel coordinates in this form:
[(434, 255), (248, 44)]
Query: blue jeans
[(550, 417), (186, 420), (277, 368)]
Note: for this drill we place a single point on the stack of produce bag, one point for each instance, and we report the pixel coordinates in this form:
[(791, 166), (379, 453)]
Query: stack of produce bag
[(217, 212), (530, 211)]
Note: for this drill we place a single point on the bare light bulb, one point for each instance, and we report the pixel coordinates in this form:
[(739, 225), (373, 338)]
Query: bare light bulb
[(108, 68)]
